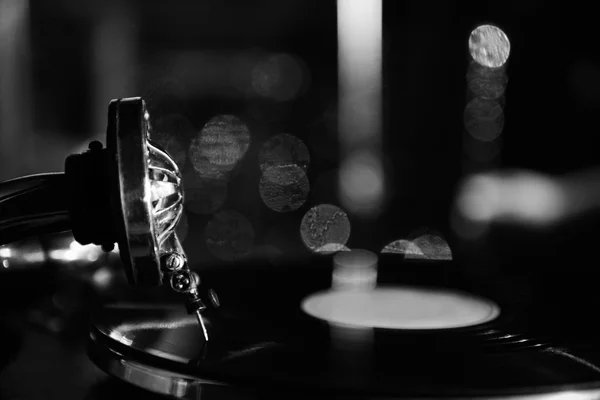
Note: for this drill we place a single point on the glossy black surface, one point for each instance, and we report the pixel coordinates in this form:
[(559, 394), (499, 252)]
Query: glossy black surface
[(263, 340)]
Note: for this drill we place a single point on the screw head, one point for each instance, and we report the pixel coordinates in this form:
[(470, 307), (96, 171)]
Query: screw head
[(182, 281), (174, 262)]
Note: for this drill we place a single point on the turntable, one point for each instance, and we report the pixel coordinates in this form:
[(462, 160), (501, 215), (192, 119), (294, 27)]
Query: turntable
[(407, 323), (318, 318)]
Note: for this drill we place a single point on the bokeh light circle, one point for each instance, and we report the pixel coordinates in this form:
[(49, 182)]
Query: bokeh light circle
[(221, 145), (323, 225), (229, 236), (284, 149), (489, 46), (284, 188), (278, 77), (331, 248), (402, 246), (484, 119), (433, 247), (486, 83), (486, 88)]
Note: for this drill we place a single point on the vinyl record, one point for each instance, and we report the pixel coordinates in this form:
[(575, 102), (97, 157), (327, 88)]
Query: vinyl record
[(275, 345)]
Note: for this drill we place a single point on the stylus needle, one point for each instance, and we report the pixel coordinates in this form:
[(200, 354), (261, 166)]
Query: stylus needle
[(201, 320)]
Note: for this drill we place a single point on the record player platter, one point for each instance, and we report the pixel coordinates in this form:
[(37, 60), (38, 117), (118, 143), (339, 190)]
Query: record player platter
[(277, 342)]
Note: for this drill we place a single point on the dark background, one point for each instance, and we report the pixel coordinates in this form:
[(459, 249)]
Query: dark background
[(549, 103)]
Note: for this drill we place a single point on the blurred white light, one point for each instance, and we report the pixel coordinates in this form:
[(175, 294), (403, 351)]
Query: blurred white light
[(572, 395), (5, 263), (359, 60), (69, 255), (34, 256), (102, 277), (489, 46), (361, 183), (359, 118), (76, 252), (479, 197), (400, 308), (520, 197), (5, 252)]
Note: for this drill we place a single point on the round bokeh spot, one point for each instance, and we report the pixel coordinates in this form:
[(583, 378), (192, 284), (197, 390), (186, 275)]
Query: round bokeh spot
[(221, 145), (284, 149), (484, 119), (229, 236), (403, 246), (284, 188), (433, 247), (323, 225), (489, 46)]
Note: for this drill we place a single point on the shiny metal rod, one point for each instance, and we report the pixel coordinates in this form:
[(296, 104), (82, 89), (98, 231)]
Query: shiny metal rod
[(201, 320)]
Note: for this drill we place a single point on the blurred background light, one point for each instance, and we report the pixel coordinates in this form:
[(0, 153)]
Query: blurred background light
[(284, 149), (324, 224), (229, 235), (278, 77), (77, 252), (284, 188), (5, 252), (432, 247), (485, 82), (484, 119), (360, 113), (16, 114), (400, 308), (361, 183), (489, 46), (521, 197), (102, 277), (402, 246), (221, 145)]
